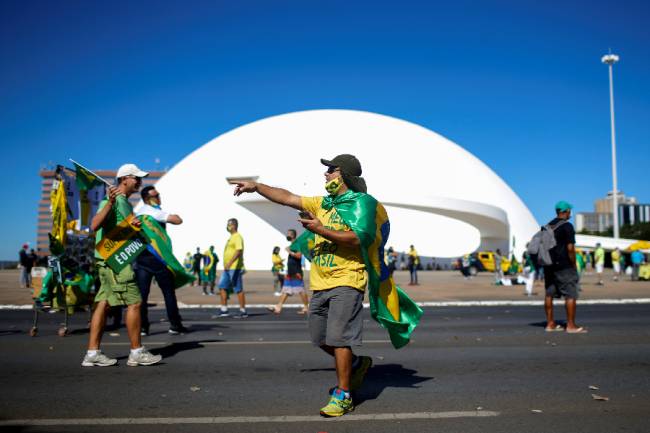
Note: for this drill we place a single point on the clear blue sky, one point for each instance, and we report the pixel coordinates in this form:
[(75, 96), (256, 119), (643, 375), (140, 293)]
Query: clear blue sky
[(517, 83)]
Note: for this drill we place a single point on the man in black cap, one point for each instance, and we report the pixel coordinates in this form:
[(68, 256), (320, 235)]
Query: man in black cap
[(337, 278)]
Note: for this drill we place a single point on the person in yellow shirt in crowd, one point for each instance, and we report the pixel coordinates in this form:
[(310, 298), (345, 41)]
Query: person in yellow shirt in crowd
[(337, 278), (599, 261), (278, 267), (414, 262), (616, 263), (233, 271)]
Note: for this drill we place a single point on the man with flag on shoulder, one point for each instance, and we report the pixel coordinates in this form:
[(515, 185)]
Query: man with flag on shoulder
[(117, 288), (345, 238), (147, 266)]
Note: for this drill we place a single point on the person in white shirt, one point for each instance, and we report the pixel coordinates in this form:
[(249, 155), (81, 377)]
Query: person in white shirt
[(147, 266)]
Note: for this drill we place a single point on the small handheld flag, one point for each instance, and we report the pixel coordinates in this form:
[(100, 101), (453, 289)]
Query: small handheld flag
[(86, 178)]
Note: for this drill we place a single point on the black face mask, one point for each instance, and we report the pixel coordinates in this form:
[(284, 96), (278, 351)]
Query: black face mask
[(289, 238)]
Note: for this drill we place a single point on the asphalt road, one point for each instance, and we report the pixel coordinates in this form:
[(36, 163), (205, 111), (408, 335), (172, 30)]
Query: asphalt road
[(467, 370)]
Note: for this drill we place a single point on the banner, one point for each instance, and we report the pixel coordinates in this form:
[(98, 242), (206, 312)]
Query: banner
[(82, 202), (89, 203), (59, 216), (71, 193), (121, 245)]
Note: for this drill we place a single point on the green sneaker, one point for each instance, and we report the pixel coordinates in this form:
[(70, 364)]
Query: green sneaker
[(337, 406), (359, 373)]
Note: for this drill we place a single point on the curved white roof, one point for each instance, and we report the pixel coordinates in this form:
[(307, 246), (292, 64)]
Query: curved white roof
[(439, 197)]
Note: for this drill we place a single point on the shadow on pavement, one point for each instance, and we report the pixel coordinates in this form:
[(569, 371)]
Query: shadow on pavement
[(174, 348), (384, 376), (197, 327), (543, 324)]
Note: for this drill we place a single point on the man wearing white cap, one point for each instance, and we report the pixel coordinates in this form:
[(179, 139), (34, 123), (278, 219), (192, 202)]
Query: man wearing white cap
[(117, 288)]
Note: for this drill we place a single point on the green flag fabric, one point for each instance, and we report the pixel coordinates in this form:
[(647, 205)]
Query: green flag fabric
[(389, 304), (85, 179), (160, 245)]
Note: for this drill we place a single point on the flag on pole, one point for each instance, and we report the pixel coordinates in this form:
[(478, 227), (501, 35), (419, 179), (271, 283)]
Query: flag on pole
[(86, 179), (389, 305)]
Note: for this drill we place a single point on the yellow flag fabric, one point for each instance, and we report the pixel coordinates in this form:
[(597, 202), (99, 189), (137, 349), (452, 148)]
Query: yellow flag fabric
[(59, 214)]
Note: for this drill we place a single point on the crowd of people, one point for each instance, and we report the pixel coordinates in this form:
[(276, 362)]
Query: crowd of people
[(339, 276)]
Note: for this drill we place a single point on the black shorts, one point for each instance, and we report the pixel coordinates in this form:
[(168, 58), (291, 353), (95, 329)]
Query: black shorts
[(562, 282)]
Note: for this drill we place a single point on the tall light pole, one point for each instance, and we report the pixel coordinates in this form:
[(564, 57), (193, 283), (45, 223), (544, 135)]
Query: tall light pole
[(610, 59)]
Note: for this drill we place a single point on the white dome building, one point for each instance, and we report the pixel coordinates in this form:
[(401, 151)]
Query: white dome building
[(439, 197)]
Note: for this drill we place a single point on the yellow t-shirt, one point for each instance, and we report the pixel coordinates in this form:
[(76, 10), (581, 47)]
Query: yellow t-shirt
[(616, 256), (278, 263), (333, 265), (416, 259), (235, 242)]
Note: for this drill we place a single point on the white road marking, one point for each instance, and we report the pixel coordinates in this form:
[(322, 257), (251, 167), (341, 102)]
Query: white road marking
[(499, 303), (244, 419)]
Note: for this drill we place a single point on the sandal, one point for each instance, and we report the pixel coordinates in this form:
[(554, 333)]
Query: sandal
[(579, 330), (556, 328), (303, 311), (273, 310)]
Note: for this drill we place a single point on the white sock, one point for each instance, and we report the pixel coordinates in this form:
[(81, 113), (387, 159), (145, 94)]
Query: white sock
[(137, 351), (92, 352)]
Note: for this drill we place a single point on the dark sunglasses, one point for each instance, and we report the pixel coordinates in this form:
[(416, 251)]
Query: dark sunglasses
[(331, 170)]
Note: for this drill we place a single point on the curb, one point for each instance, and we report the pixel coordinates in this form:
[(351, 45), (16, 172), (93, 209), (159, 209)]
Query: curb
[(504, 303)]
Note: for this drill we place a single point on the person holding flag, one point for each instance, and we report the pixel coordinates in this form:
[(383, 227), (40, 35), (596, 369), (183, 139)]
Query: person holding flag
[(117, 288), (345, 235), (149, 265)]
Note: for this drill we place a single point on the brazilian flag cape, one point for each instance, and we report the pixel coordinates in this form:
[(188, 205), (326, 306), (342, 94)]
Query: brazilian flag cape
[(160, 245), (367, 218)]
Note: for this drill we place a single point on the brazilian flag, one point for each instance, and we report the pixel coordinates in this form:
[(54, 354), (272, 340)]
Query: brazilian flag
[(160, 245), (389, 305), (86, 179)]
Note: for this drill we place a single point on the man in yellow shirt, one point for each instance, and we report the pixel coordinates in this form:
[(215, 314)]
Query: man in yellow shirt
[(616, 263), (337, 277), (414, 262), (599, 261), (233, 270)]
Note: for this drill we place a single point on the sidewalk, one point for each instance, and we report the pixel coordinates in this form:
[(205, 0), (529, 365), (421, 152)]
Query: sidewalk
[(435, 287)]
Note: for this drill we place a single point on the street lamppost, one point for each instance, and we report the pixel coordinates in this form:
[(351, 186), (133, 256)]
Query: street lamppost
[(610, 59)]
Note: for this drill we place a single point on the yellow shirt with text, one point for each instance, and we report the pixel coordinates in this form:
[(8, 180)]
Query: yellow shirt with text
[(235, 242), (333, 265)]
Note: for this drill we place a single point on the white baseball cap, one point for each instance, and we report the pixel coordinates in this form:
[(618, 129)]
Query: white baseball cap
[(130, 170)]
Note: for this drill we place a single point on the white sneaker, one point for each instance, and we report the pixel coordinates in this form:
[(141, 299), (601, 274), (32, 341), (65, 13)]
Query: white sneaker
[(144, 357), (98, 360)]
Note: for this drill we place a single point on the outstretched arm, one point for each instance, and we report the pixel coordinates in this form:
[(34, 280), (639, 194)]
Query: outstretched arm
[(276, 195)]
